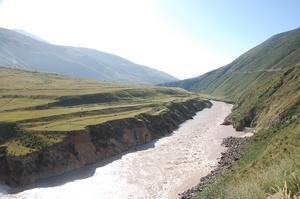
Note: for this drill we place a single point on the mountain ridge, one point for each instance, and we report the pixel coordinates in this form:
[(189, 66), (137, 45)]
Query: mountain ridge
[(20, 51), (29, 35), (273, 55)]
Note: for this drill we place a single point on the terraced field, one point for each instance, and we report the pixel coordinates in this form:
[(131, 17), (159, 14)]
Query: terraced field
[(37, 110)]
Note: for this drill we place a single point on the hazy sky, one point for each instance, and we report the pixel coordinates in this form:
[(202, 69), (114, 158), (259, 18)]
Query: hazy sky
[(182, 37)]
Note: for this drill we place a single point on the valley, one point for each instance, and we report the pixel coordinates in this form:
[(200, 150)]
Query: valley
[(176, 162), (76, 120)]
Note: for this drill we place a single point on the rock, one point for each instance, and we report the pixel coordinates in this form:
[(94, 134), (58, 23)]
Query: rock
[(227, 122), (233, 145)]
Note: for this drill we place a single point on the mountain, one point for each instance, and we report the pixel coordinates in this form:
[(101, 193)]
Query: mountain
[(272, 57), (264, 85), (253, 74), (29, 35), (22, 51)]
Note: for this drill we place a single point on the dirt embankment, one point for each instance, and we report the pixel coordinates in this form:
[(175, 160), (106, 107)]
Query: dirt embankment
[(95, 143)]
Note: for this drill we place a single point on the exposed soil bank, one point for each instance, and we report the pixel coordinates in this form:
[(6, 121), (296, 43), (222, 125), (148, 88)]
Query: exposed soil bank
[(95, 143)]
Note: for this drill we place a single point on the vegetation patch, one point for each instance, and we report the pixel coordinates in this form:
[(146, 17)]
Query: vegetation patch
[(45, 108)]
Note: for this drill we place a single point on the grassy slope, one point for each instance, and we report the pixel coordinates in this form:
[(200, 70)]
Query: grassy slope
[(269, 101), (46, 107), (268, 59), (264, 84), (272, 156)]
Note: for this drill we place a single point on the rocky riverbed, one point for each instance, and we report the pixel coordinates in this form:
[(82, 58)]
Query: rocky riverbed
[(232, 154)]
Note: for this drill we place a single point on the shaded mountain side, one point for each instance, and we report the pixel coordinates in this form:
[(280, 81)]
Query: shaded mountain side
[(266, 104), (270, 161), (256, 81), (22, 51), (275, 55)]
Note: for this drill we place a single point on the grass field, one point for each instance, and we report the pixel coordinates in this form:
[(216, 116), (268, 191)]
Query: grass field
[(45, 107)]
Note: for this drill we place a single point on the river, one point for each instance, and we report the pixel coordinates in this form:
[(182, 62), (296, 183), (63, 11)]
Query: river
[(160, 169)]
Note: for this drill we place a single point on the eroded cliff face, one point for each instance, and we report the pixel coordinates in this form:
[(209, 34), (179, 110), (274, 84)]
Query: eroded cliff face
[(95, 143)]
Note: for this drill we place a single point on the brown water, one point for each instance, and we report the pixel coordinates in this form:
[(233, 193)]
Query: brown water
[(162, 169)]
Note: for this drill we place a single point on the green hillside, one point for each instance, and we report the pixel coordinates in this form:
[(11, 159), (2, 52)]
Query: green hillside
[(274, 56), (264, 84), (40, 109), (272, 156)]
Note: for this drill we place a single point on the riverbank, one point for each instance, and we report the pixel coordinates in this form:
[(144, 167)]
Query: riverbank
[(159, 169), (97, 142), (232, 154)]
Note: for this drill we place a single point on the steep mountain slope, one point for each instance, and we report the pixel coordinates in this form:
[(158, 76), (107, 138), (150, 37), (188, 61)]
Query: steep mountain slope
[(254, 78), (21, 51), (264, 84), (271, 158), (272, 57)]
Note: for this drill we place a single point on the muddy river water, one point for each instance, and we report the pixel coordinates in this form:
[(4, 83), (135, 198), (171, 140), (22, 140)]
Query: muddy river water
[(160, 169)]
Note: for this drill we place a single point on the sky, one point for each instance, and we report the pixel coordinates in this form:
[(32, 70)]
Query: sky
[(184, 38)]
